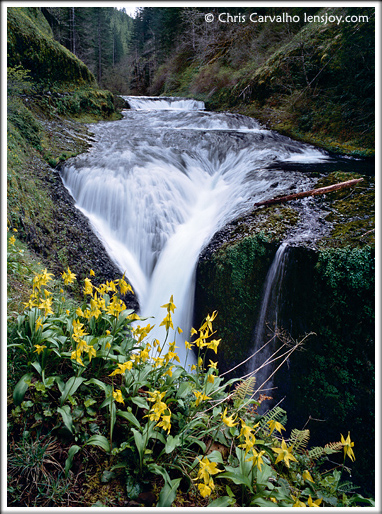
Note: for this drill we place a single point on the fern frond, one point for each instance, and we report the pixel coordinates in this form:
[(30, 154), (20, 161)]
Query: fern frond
[(299, 439), (275, 414), (333, 448), (318, 451), (243, 390)]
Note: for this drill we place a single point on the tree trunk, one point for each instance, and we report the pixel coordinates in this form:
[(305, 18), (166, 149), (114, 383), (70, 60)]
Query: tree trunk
[(312, 192)]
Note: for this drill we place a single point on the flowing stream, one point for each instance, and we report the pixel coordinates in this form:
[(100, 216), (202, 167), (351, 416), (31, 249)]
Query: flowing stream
[(160, 182)]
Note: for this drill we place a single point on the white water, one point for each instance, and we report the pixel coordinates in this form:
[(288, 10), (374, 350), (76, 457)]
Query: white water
[(159, 183)]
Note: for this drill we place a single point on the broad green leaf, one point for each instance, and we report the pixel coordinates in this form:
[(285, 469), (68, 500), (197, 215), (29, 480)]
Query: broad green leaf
[(99, 440), (37, 366), (264, 474), (184, 389), (168, 493), (262, 502), (21, 388), (140, 402), (159, 470), (130, 417), (215, 456), (139, 441), (71, 387), (66, 416), (69, 461), (197, 441), (113, 417), (172, 443), (106, 388), (223, 501), (236, 477)]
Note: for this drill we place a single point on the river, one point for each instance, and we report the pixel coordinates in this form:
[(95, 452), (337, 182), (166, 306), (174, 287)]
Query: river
[(158, 184)]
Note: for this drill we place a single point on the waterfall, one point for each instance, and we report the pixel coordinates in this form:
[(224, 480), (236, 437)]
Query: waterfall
[(163, 102), (267, 323), (160, 182)]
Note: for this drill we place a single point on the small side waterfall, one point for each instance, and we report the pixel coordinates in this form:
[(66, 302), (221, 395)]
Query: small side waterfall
[(268, 318)]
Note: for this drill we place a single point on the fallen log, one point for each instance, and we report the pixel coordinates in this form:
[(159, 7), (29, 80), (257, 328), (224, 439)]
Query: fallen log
[(312, 192)]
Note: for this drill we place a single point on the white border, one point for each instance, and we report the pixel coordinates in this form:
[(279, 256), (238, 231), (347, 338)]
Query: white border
[(130, 5)]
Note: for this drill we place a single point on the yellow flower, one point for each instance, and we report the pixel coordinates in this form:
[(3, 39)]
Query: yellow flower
[(38, 323), (284, 454), (193, 367), (200, 397), (124, 286), (311, 503), (167, 322), (307, 476), (39, 348), (91, 273), (79, 312), (76, 356), (68, 277), (348, 444), (91, 351), (165, 423), (212, 364), (213, 345), (117, 395), (46, 305), (88, 289), (12, 240), (170, 305), (297, 502), (211, 378), (274, 425), (228, 420), (188, 345), (204, 490), (256, 458), (122, 368)]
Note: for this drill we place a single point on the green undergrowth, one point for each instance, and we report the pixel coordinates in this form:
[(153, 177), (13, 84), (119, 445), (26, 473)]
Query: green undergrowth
[(102, 414)]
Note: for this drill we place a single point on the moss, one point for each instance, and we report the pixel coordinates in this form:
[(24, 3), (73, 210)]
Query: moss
[(352, 211), (223, 285), (30, 43)]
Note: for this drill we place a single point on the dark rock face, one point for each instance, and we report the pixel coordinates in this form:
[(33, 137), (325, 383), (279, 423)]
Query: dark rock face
[(329, 292)]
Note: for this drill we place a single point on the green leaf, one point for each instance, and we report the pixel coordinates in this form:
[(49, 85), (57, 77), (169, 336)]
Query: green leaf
[(71, 387), (200, 443), (264, 474), (106, 388), (37, 367), (168, 493), (139, 441), (140, 402), (99, 440), (107, 475), (66, 416), (184, 390), (130, 417), (69, 461), (223, 501), (21, 388), (262, 502), (172, 443), (133, 488), (236, 477)]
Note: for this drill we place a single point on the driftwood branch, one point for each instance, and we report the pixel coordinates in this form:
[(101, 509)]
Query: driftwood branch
[(312, 192)]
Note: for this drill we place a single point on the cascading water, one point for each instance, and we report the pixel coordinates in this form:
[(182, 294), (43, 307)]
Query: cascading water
[(159, 183)]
